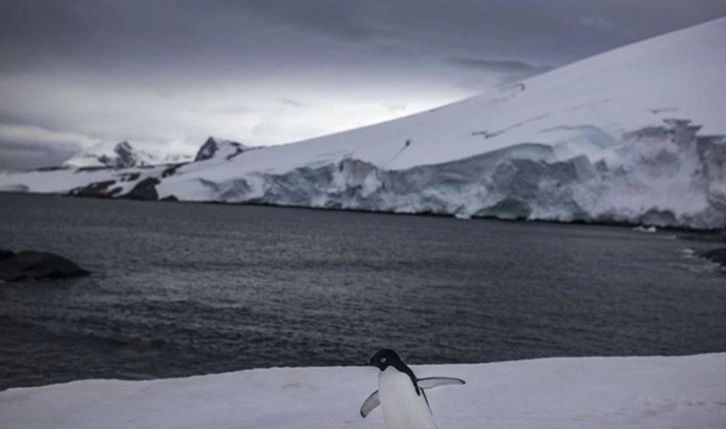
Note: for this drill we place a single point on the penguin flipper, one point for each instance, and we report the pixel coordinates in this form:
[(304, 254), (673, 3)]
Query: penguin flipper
[(431, 382), (369, 404)]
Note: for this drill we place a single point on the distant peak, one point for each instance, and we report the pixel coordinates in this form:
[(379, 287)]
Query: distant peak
[(124, 145), (213, 144)]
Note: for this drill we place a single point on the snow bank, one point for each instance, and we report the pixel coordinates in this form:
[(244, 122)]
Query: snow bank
[(583, 393)]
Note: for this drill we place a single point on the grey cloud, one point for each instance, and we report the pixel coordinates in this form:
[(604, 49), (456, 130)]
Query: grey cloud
[(500, 66), (217, 66), (23, 155), (345, 19), (195, 37), (30, 121), (292, 103), (502, 24), (237, 109)]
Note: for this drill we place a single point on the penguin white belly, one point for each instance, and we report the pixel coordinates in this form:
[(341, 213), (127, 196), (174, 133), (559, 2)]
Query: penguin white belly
[(402, 407)]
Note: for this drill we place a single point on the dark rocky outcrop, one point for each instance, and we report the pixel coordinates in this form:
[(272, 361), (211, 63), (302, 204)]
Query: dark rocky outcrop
[(92, 168), (52, 168), (30, 265), (210, 148), (171, 170), (715, 255), (144, 190), (207, 151), (96, 190), (130, 177)]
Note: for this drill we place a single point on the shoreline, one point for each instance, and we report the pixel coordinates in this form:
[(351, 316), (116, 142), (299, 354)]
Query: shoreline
[(609, 223)]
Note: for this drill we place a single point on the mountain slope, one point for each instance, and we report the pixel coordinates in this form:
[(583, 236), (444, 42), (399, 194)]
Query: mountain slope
[(631, 135)]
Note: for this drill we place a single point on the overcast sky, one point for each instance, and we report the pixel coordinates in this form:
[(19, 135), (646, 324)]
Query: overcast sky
[(165, 74)]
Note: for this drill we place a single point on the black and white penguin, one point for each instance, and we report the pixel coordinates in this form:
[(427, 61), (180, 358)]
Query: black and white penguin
[(401, 395)]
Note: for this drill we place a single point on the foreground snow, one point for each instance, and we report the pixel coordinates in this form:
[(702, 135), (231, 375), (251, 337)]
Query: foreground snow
[(634, 135), (633, 392)]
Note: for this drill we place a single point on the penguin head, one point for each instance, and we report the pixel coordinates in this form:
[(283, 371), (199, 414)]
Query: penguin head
[(385, 358)]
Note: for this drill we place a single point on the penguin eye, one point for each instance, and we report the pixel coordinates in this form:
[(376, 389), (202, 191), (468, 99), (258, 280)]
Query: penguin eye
[(383, 360)]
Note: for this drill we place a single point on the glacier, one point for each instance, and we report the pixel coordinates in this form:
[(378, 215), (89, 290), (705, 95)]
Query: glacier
[(635, 135)]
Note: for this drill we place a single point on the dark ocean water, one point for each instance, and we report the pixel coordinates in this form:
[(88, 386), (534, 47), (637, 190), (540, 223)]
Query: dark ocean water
[(183, 289)]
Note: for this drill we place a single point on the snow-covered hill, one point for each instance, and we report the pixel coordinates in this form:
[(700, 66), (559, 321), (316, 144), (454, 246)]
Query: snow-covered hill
[(632, 135), (561, 393), (120, 155), (114, 155)]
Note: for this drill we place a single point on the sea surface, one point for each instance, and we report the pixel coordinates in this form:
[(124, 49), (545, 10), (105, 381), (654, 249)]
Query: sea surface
[(186, 289)]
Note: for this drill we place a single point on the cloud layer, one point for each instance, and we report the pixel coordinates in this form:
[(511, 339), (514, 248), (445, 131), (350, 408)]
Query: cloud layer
[(166, 74)]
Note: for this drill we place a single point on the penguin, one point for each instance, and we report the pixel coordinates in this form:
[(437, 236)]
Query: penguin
[(401, 395)]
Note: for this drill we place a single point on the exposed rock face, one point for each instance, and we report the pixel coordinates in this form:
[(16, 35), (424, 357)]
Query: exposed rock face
[(29, 265), (97, 190), (207, 150), (216, 147), (129, 177), (171, 170), (52, 168), (126, 156), (144, 190)]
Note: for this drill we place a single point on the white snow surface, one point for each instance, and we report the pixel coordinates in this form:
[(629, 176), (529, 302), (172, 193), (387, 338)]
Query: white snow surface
[(558, 393), (632, 135)]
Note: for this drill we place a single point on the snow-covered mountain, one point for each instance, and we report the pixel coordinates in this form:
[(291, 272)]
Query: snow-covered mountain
[(120, 155), (632, 135), (115, 155)]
